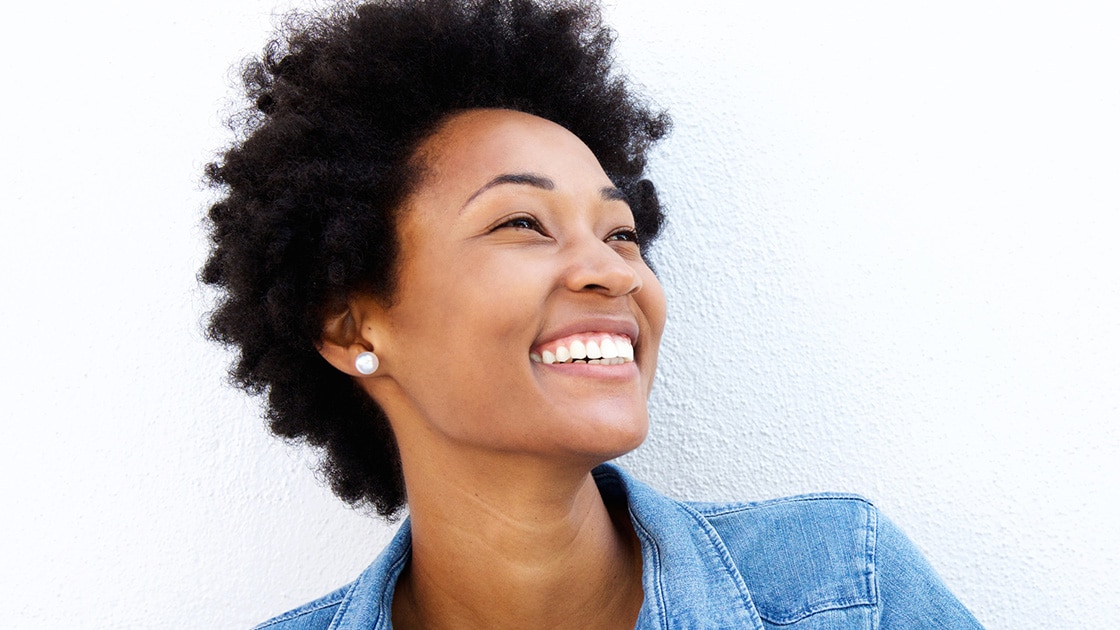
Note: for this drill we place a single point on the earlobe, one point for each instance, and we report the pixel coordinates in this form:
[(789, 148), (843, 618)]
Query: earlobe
[(345, 347), (366, 362)]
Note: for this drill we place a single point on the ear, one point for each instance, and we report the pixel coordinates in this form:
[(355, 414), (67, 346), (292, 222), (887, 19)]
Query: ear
[(348, 334)]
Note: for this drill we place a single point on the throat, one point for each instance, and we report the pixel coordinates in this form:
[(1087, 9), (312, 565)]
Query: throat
[(516, 575)]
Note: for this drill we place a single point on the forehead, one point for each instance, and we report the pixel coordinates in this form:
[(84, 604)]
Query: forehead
[(472, 147)]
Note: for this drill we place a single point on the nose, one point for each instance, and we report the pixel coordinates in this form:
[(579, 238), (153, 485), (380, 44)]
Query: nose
[(596, 266)]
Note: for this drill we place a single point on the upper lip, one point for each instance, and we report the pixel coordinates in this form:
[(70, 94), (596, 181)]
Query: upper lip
[(613, 325)]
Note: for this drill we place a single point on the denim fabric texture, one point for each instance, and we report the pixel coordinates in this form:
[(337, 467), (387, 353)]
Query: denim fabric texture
[(812, 562)]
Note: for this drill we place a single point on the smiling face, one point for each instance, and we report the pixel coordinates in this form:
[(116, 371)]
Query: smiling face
[(519, 264)]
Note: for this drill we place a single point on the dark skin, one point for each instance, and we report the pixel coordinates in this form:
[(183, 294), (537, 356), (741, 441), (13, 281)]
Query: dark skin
[(610, 595), (514, 244)]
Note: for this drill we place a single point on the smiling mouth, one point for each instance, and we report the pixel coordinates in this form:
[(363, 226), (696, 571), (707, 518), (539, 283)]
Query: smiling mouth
[(597, 349)]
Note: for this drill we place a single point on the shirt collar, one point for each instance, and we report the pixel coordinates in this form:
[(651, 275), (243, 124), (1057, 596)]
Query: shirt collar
[(368, 604), (688, 576)]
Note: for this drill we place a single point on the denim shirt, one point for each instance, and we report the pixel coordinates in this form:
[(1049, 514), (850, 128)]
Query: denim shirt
[(802, 563)]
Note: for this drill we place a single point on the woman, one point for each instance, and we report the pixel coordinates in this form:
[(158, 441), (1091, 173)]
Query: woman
[(431, 256)]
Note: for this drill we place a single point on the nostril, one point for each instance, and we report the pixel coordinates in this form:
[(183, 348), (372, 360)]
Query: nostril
[(599, 268)]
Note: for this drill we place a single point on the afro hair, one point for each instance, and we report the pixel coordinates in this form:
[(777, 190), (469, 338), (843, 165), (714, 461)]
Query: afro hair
[(324, 156)]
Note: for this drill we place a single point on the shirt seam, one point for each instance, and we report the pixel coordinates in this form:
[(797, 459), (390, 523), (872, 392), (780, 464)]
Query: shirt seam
[(381, 609), (840, 604), (344, 605), (300, 612), (873, 565), (722, 511), (724, 554), (662, 609)]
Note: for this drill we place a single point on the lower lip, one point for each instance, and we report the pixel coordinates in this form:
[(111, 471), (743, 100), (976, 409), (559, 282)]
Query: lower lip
[(591, 370)]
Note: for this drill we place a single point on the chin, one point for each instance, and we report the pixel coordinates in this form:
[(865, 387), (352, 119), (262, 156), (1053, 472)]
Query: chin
[(608, 439)]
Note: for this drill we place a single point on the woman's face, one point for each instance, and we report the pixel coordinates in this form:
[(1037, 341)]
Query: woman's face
[(517, 252)]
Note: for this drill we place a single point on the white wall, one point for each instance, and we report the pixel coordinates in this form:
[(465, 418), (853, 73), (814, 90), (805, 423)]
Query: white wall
[(891, 265)]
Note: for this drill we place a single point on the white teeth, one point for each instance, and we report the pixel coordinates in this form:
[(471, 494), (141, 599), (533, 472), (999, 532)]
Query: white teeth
[(578, 350), (593, 351), (608, 348), (625, 349)]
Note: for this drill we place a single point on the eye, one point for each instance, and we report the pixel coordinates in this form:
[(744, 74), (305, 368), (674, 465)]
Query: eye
[(625, 235), (520, 222)]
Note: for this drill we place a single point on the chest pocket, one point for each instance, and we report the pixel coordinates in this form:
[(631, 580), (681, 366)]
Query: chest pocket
[(807, 561)]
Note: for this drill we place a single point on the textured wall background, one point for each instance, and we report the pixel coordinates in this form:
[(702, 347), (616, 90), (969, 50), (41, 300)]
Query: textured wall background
[(891, 267)]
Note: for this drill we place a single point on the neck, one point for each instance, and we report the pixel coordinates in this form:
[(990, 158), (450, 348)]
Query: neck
[(506, 542)]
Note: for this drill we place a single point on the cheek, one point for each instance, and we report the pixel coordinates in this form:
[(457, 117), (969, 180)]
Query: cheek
[(457, 351), (651, 299), (461, 328)]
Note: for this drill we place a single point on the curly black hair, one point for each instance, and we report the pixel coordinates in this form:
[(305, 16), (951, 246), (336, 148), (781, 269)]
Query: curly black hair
[(309, 192)]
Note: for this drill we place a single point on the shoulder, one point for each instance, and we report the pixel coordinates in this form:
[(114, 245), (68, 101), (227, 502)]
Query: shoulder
[(809, 554), (822, 514), (806, 524), (313, 615), (801, 555)]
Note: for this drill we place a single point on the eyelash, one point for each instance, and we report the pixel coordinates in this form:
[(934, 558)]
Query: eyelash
[(530, 223), (630, 234), (527, 222)]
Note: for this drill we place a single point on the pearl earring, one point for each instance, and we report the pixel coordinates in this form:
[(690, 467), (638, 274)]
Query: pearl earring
[(366, 363)]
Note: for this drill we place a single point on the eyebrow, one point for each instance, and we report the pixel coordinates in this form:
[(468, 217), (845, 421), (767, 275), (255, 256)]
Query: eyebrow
[(608, 193), (613, 193)]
